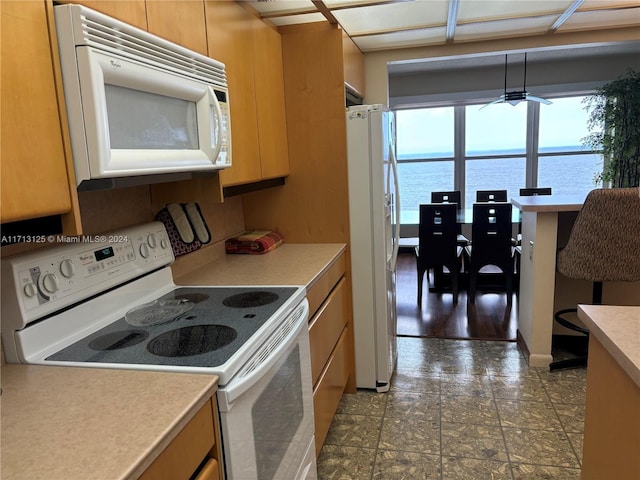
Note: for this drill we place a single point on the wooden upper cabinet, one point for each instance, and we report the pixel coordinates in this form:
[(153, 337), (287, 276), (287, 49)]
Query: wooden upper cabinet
[(130, 11), (270, 103), (33, 169), (180, 21), (353, 60), (230, 35)]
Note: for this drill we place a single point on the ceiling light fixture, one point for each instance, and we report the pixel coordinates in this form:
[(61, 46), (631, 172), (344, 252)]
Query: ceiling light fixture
[(516, 96)]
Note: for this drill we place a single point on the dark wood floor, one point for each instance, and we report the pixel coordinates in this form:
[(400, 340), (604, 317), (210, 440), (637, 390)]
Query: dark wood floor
[(490, 318)]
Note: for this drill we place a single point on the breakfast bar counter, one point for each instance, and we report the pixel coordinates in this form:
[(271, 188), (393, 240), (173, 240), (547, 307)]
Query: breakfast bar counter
[(540, 216), (612, 415)]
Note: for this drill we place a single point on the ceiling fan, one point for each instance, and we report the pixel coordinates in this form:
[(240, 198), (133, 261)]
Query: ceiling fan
[(516, 96)]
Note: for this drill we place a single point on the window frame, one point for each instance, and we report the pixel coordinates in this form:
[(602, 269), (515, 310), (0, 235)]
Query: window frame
[(531, 153)]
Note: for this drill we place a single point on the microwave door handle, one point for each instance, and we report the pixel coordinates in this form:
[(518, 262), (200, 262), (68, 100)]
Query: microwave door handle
[(217, 113)]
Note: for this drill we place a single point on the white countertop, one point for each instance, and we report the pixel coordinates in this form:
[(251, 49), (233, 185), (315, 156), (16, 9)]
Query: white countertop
[(549, 203), (617, 328)]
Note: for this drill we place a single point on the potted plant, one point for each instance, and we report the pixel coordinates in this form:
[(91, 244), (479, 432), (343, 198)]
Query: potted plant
[(614, 125)]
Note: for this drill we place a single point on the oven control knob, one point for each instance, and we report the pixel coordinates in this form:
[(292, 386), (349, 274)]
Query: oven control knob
[(30, 290), (67, 268), (144, 250), (152, 240), (50, 282)]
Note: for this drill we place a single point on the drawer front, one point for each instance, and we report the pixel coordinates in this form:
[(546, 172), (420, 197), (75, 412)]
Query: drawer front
[(323, 286), (183, 455), (210, 471), (325, 329), (328, 391)]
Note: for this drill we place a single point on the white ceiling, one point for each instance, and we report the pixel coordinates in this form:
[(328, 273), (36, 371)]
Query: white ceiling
[(389, 24)]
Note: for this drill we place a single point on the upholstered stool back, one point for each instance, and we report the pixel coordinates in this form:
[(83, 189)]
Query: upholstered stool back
[(604, 245)]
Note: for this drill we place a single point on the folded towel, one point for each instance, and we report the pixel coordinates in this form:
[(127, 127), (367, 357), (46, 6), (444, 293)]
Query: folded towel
[(254, 242)]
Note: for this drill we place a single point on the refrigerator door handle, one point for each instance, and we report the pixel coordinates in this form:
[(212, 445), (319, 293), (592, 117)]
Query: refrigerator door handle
[(396, 201)]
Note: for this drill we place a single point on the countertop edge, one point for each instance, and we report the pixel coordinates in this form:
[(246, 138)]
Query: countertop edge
[(172, 432), (588, 314), (81, 393), (549, 203)]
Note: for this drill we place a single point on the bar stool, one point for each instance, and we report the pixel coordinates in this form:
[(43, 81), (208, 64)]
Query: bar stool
[(604, 246)]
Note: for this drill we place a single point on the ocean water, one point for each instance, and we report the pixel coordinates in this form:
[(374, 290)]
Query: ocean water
[(565, 174)]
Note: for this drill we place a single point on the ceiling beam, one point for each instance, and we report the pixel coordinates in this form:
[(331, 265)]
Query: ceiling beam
[(565, 16), (324, 10), (452, 20)]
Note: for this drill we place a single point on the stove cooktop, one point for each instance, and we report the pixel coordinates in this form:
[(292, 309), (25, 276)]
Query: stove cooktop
[(211, 325)]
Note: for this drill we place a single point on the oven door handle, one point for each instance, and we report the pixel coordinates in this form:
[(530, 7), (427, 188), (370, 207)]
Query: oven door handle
[(281, 340)]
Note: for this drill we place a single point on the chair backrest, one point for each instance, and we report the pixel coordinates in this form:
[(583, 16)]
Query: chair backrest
[(491, 196), (437, 233), (604, 244), (446, 197), (491, 232), (531, 192)]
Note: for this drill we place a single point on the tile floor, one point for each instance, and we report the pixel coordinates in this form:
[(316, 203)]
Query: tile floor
[(457, 410)]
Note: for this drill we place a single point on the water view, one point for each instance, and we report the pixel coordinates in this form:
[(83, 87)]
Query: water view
[(565, 174)]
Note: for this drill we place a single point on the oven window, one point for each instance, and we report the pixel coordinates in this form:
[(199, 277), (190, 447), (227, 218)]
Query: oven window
[(142, 120), (277, 415)]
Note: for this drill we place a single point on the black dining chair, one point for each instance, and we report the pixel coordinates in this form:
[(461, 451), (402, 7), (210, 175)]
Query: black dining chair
[(452, 196), (438, 246), (491, 244), (491, 196), (530, 192)]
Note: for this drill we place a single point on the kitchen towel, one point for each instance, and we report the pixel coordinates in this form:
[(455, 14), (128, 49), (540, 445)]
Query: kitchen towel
[(254, 242)]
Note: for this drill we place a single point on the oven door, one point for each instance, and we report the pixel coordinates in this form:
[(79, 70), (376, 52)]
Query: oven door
[(266, 411)]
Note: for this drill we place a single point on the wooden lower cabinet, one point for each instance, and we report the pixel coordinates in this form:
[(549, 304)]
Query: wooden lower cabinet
[(331, 345), (612, 419), (329, 389), (194, 453)]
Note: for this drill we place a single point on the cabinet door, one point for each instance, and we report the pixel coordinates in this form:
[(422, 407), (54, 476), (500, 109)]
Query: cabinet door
[(230, 35), (181, 21), (353, 65), (34, 172), (269, 91), (130, 11)]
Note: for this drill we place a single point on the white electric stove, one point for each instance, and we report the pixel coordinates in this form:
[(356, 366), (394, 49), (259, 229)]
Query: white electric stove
[(109, 301)]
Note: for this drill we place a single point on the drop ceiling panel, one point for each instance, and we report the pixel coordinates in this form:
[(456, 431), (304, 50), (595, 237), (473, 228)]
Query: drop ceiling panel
[(602, 18), (296, 19), (409, 38), (503, 28), (283, 6), (481, 10), (388, 17), (386, 24), (611, 4), (351, 3)]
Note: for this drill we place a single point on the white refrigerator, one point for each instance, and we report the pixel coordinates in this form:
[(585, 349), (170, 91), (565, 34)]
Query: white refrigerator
[(374, 213)]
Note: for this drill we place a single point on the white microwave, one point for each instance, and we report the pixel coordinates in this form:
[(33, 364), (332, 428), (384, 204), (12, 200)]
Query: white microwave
[(141, 109)]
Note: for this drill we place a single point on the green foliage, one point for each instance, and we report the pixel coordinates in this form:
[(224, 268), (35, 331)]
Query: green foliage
[(614, 125)]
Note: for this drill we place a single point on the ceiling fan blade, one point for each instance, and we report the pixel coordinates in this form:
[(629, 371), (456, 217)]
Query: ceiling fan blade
[(538, 99), (497, 100)]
